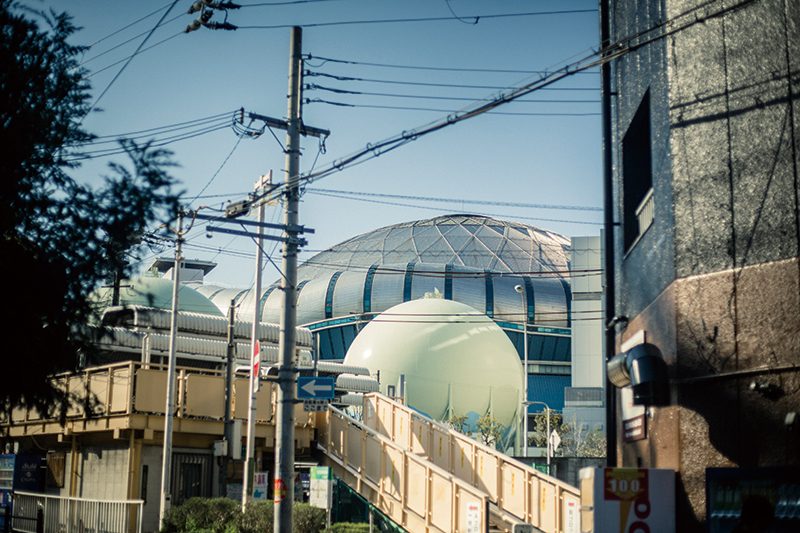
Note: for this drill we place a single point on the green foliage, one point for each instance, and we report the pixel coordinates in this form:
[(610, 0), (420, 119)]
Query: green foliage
[(59, 237), (539, 429), (489, 429), (458, 423), (257, 518), (348, 527), (223, 515), (207, 515), (307, 519), (575, 441)]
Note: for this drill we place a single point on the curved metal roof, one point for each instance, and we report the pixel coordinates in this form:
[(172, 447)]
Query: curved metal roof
[(472, 259)]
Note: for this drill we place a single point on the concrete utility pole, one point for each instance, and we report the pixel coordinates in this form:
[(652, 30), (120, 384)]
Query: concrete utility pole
[(230, 355), (255, 355), (166, 460), (287, 373)]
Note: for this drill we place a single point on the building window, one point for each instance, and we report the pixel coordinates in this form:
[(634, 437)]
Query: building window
[(637, 175)]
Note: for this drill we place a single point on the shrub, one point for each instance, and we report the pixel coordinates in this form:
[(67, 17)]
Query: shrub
[(348, 527), (222, 515), (307, 519), (257, 517), (207, 515)]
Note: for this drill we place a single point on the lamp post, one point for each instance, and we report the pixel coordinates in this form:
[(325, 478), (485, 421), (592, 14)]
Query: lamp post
[(521, 291), (547, 418)]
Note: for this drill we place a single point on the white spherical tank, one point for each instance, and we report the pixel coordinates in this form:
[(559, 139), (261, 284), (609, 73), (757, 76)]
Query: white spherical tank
[(456, 360)]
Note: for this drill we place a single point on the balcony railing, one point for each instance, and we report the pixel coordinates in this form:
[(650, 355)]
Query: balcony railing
[(645, 212), (130, 388)]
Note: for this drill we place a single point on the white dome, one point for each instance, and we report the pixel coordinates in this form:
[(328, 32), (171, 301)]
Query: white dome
[(455, 359)]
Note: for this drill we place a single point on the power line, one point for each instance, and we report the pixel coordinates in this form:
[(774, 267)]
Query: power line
[(476, 18), (159, 43), (438, 210), (285, 3), (123, 43), (315, 87), (79, 156), (172, 128), (115, 32), (219, 169), (312, 74), (457, 200), (439, 110), (610, 53), (422, 67), (128, 62)]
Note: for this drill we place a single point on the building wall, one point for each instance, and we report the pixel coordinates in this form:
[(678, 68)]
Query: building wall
[(722, 299), (635, 76), (104, 472), (149, 489)]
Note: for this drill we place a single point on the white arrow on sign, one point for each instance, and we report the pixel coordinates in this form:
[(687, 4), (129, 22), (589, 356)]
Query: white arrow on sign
[(312, 388), (555, 440)]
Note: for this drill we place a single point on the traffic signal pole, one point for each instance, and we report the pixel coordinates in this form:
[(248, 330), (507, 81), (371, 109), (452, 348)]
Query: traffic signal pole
[(287, 371)]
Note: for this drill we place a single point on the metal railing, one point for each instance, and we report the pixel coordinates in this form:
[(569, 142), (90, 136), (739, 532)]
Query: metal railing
[(414, 493), (62, 514), (646, 211), (516, 489)]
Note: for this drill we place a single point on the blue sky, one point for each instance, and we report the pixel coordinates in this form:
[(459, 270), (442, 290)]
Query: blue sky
[(542, 159)]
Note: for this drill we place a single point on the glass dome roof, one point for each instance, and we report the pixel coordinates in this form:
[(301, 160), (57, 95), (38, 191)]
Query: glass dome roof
[(475, 241), (473, 259)]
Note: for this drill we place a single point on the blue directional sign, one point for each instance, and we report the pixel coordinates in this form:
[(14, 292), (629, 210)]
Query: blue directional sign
[(314, 387)]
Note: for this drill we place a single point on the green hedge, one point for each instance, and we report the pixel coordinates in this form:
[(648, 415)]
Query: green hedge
[(348, 527), (223, 515)]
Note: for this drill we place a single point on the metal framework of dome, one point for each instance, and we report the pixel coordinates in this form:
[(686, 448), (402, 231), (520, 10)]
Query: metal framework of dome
[(473, 259)]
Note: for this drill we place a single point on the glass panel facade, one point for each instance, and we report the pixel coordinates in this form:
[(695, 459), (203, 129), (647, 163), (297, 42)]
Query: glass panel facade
[(551, 304), (348, 294), (426, 279)]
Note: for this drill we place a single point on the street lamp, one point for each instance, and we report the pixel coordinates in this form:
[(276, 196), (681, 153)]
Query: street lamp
[(521, 291), (547, 418)]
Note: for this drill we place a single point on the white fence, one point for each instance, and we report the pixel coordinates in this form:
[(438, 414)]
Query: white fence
[(67, 515)]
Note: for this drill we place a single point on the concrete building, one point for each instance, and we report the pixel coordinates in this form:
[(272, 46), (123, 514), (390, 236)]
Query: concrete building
[(584, 400), (704, 144)]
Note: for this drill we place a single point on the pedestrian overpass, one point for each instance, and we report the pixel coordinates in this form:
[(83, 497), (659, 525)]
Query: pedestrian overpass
[(427, 477)]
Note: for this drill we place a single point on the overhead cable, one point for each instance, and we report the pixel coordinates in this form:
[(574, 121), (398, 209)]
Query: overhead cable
[(128, 62), (439, 210), (421, 67), (124, 59), (314, 87), (172, 128), (476, 18), (440, 110), (523, 205), (123, 43), (311, 74), (140, 19), (610, 53)]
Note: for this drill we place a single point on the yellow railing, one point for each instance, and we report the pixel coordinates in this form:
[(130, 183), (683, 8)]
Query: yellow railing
[(514, 488), (123, 389), (414, 493)]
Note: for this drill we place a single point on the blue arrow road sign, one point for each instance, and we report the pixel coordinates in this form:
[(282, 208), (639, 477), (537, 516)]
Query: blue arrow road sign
[(314, 387)]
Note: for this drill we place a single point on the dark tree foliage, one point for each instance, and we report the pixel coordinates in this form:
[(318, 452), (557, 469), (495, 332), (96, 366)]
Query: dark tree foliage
[(59, 238)]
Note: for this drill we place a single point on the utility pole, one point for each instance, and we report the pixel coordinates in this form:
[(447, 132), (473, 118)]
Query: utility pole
[(230, 354), (255, 362), (166, 461), (287, 373)]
